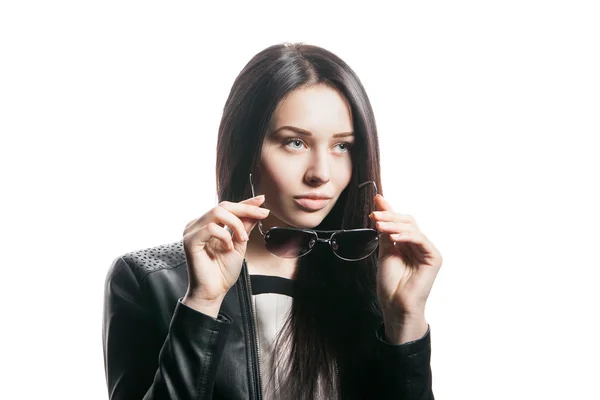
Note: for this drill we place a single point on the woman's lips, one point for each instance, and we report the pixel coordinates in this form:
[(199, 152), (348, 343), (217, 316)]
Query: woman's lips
[(312, 204)]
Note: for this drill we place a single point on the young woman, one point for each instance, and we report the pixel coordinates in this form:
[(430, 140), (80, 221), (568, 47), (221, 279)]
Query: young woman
[(325, 299)]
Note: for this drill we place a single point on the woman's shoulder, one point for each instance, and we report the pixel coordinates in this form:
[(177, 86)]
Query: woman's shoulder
[(144, 261)]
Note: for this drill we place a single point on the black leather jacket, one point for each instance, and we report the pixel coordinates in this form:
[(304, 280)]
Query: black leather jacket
[(155, 347)]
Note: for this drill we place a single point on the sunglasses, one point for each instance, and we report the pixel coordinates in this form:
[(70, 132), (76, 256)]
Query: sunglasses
[(349, 245)]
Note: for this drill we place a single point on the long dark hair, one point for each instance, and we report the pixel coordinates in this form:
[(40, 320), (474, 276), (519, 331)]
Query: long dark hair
[(335, 310)]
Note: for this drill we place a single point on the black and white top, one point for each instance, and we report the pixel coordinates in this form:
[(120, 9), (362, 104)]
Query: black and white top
[(272, 301), (272, 298)]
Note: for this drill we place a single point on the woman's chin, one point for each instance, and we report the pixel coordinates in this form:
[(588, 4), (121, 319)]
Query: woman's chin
[(302, 219), (308, 221)]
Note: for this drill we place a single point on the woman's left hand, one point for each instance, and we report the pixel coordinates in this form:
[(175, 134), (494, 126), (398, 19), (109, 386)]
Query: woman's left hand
[(408, 265)]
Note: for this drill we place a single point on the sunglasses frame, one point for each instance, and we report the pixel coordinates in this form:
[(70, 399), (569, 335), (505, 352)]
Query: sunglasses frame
[(329, 234)]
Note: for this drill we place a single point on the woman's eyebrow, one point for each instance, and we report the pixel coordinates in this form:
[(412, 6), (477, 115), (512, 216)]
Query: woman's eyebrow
[(307, 133)]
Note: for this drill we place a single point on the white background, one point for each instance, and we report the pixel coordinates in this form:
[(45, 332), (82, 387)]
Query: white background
[(488, 113)]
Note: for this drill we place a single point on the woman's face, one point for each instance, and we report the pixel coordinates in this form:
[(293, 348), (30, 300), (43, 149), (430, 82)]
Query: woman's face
[(306, 152)]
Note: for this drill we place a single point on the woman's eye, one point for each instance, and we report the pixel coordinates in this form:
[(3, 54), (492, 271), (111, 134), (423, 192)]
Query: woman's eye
[(345, 146), (295, 142)]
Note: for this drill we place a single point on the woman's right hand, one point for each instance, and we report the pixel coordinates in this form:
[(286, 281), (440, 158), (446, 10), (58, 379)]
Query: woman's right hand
[(214, 256)]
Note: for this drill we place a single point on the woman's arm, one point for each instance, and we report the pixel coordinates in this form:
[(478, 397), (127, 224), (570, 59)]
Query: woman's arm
[(139, 363), (408, 264)]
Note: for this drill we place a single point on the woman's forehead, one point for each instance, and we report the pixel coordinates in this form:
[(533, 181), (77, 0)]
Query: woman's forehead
[(317, 110)]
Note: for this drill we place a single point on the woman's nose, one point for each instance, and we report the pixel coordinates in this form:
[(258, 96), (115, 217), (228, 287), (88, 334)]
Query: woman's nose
[(319, 169)]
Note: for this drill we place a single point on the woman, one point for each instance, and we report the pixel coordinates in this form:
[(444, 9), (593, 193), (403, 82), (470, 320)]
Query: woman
[(212, 316)]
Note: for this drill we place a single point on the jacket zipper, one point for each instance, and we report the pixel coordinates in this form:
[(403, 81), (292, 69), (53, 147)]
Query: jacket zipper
[(253, 332)]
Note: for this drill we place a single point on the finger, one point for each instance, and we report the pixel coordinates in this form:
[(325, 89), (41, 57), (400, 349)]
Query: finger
[(395, 227), (420, 239), (249, 208), (391, 216), (204, 234), (190, 224), (382, 204), (257, 200), (391, 228), (228, 214), (407, 236), (245, 210), (222, 216), (249, 214)]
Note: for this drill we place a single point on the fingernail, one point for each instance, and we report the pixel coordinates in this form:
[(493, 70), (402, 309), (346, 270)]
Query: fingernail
[(259, 196), (264, 211)]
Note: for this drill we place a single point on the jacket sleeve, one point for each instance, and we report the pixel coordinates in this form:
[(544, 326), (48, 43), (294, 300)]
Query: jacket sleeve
[(139, 363), (403, 372)]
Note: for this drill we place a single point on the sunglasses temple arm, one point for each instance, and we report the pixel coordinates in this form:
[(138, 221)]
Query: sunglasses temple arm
[(366, 183), (254, 195), (360, 186), (252, 186)]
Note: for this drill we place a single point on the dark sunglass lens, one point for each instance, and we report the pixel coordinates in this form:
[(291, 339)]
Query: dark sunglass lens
[(289, 243), (355, 245)]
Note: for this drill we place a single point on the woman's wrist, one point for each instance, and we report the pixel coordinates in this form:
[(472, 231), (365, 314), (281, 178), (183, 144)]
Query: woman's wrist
[(404, 328), (208, 307)]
